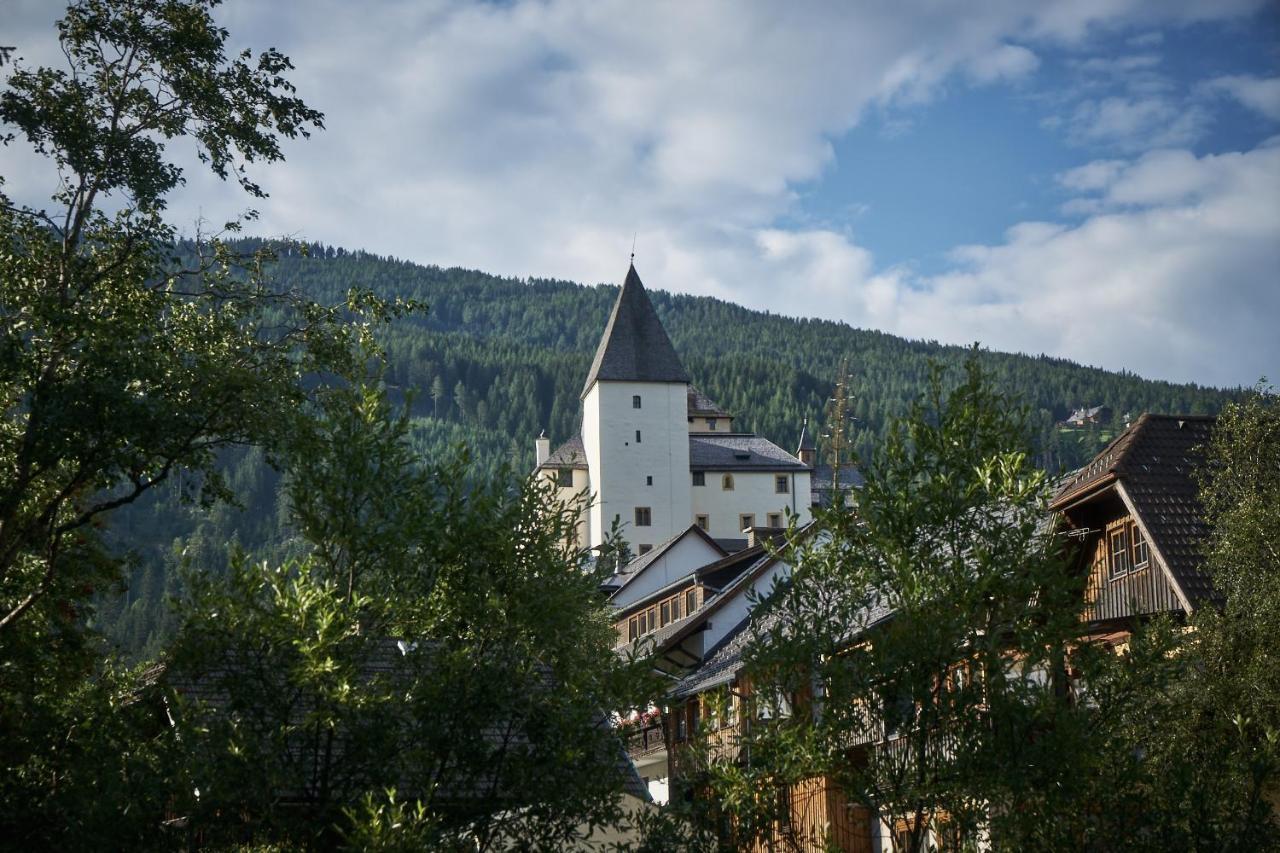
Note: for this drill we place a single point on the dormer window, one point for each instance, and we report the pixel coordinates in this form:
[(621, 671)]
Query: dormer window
[(635, 401)]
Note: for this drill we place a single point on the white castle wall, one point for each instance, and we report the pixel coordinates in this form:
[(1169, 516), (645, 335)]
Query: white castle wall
[(753, 492), (620, 466)]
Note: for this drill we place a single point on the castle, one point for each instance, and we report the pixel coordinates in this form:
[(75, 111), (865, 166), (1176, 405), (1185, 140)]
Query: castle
[(657, 455)]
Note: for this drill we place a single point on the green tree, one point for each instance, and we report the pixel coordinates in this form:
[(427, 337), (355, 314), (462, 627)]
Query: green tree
[(936, 615)]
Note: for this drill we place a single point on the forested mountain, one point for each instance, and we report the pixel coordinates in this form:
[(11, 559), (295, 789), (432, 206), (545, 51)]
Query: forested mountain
[(496, 360)]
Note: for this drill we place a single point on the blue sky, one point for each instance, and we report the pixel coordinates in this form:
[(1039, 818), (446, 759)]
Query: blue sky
[(1093, 179)]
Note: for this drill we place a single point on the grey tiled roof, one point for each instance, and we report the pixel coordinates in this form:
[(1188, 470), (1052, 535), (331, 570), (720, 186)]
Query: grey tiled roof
[(850, 478), (719, 666), (571, 454), (739, 452), (702, 405), (635, 347)]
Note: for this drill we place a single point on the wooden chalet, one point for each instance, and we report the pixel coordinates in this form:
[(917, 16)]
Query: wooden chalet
[(1135, 514)]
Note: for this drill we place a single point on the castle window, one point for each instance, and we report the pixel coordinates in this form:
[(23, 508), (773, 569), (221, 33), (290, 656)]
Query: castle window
[(699, 478), (637, 436), (1119, 552), (726, 482), (564, 478), (781, 484), (645, 549), (635, 401), (703, 521), (711, 423), (1141, 553), (746, 520), (648, 481), (775, 519), (644, 516)]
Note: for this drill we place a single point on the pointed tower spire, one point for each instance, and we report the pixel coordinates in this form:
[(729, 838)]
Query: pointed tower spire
[(806, 452), (635, 347)]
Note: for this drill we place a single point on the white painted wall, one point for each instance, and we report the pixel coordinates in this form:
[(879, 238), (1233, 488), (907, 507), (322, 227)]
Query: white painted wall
[(679, 561), (619, 465), (737, 607), (753, 492)]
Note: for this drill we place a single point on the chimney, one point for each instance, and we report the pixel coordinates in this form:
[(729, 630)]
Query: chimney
[(543, 446)]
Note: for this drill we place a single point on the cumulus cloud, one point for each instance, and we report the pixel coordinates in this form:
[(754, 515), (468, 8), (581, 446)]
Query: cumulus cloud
[(1260, 94), (536, 138), (1173, 277)]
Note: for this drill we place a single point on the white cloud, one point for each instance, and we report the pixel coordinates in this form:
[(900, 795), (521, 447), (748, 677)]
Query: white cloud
[(1173, 278), (536, 138), (1135, 124), (1260, 94)]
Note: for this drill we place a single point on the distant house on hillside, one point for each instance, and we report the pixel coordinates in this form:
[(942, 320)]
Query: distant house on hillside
[(1088, 415)]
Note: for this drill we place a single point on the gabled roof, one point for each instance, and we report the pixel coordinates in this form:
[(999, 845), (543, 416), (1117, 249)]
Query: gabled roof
[(1152, 463), (739, 452), (635, 568), (635, 347), (571, 454), (703, 406)]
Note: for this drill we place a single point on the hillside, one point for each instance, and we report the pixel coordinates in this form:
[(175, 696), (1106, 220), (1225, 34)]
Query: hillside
[(496, 360)]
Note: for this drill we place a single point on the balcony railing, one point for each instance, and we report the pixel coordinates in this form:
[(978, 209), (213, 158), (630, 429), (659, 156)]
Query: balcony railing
[(645, 740)]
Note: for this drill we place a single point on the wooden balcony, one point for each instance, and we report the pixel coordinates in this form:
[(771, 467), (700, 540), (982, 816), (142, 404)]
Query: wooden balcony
[(646, 740)]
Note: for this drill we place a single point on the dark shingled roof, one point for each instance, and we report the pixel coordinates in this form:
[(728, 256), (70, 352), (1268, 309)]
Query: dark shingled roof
[(739, 452), (1154, 459), (635, 347), (703, 406), (571, 454)]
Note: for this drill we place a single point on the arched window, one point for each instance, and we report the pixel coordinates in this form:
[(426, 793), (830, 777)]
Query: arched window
[(726, 483)]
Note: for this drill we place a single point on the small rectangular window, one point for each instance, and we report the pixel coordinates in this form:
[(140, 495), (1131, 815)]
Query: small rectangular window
[(666, 613), (645, 549), (699, 478), (781, 484), (703, 521), (648, 481), (635, 401), (643, 619), (644, 516), (746, 520), (675, 607), (1119, 552), (711, 423), (564, 478), (633, 629), (775, 519), (1141, 553), (690, 601)]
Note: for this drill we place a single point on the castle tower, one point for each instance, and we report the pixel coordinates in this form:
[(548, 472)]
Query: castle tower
[(635, 432)]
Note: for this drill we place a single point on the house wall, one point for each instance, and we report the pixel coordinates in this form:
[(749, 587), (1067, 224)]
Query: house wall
[(581, 486), (678, 562), (1138, 592), (701, 423), (753, 492), (619, 466)]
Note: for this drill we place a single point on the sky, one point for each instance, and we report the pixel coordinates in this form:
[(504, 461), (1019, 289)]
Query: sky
[(1092, 179)]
